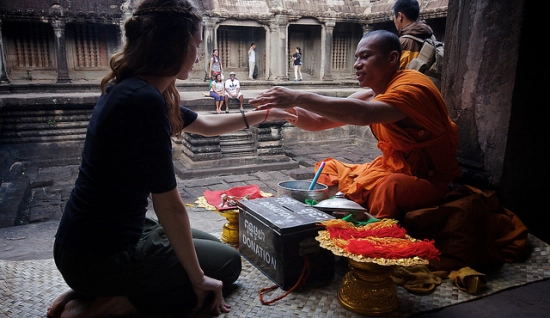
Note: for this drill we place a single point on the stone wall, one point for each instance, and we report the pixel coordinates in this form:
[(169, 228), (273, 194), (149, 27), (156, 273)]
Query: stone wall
[(479, 78)]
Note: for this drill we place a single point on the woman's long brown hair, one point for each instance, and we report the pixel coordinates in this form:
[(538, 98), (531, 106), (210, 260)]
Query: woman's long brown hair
[(157, 41)]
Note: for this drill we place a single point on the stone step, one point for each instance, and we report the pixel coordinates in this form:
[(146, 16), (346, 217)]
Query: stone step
[(241, 135), (33, 123), (14, 196), (227, 167), (43, 206), (239, 142), (234, 152)]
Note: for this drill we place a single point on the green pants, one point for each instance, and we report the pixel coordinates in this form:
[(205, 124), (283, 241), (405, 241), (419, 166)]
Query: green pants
[(150, 274)]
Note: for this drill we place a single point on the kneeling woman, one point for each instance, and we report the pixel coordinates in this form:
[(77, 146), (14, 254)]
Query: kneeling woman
[(116, 261)]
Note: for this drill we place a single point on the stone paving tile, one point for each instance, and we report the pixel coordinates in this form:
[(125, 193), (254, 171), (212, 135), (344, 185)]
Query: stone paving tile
[(202, 182), (231, 179)]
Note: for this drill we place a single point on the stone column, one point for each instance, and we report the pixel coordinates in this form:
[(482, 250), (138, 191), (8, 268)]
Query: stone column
[(277, 47), (127, 8), (62, 68), (479, 78), (210, 40), (3, 72), (327, 39)]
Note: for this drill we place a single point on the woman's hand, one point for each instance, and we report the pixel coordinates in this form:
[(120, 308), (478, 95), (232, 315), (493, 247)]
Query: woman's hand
[(206, 286)]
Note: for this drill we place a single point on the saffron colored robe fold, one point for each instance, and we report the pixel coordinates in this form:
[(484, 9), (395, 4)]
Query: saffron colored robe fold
[(416, 165)]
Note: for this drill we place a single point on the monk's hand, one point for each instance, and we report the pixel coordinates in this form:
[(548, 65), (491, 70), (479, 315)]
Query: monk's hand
[(276, 97)]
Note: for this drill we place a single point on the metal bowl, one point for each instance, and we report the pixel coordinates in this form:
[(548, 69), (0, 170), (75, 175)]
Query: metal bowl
[(298, 189), (339, 206), (339, 203)]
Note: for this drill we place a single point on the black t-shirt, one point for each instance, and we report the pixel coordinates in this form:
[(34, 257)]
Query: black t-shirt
[(127, 156)]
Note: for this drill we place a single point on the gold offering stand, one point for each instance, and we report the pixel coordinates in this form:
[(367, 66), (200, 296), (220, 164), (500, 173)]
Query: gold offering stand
[(367, 289), (230, 230)]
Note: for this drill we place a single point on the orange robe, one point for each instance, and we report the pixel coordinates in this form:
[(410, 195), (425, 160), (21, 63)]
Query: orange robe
[(414, 171)]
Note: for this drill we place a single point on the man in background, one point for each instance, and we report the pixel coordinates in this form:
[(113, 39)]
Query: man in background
[(405, 18), (233, 90), (251, 60)]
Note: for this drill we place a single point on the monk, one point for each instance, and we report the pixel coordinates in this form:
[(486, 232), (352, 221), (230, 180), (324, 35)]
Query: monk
[(409, 118)]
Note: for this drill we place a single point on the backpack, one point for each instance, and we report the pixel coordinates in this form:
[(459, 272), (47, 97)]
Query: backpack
[(255, 72), (430, 59)]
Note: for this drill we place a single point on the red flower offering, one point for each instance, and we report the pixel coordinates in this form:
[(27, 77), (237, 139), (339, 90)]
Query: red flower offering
[(383, 242)]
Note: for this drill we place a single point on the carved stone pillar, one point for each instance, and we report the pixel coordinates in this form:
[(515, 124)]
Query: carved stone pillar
[(62, 68), (476, 83), (278, 28), (210, 39), (3, 72), (127, 7), (327, 52)]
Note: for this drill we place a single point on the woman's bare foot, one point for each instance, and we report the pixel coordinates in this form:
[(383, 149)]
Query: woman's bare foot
[(70, 305), (56, 309)]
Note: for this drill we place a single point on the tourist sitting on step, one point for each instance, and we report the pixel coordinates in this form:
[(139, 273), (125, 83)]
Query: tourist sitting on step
[(217, 90), (117, 261), (233, 90)]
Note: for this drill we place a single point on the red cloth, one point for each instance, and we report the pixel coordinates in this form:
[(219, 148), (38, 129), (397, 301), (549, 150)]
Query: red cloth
[(215, 197)]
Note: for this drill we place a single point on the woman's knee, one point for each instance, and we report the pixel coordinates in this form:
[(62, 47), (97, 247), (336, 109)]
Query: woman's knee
[(219, 260)]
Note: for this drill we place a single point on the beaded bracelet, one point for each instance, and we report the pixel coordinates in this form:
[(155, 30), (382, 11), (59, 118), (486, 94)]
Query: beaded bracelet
[(244, 118)]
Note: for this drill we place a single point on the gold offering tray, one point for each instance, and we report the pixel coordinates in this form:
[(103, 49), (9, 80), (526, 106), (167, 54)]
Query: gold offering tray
[(368, 289), (326, 242)]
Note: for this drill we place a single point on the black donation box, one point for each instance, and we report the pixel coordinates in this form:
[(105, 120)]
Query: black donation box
[(277, 233)]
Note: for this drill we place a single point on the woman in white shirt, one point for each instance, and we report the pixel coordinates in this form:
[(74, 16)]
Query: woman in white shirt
[(218, 92)]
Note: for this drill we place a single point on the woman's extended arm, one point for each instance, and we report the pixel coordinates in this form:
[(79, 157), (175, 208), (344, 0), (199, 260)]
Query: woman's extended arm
[(357, 109), (214, 125)]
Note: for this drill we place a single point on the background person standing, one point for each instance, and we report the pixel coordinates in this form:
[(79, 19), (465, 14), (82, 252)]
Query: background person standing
[(297, 56), (405, 18), (215, 64), (251, 60)]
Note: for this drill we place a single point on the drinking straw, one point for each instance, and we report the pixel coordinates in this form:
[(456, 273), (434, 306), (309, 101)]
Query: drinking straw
[(314, 181)]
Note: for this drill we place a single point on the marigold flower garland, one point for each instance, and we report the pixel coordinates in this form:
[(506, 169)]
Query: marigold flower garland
[(383, 242)]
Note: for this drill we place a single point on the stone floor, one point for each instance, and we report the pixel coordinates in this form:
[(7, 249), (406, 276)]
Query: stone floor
[(52, 185)]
